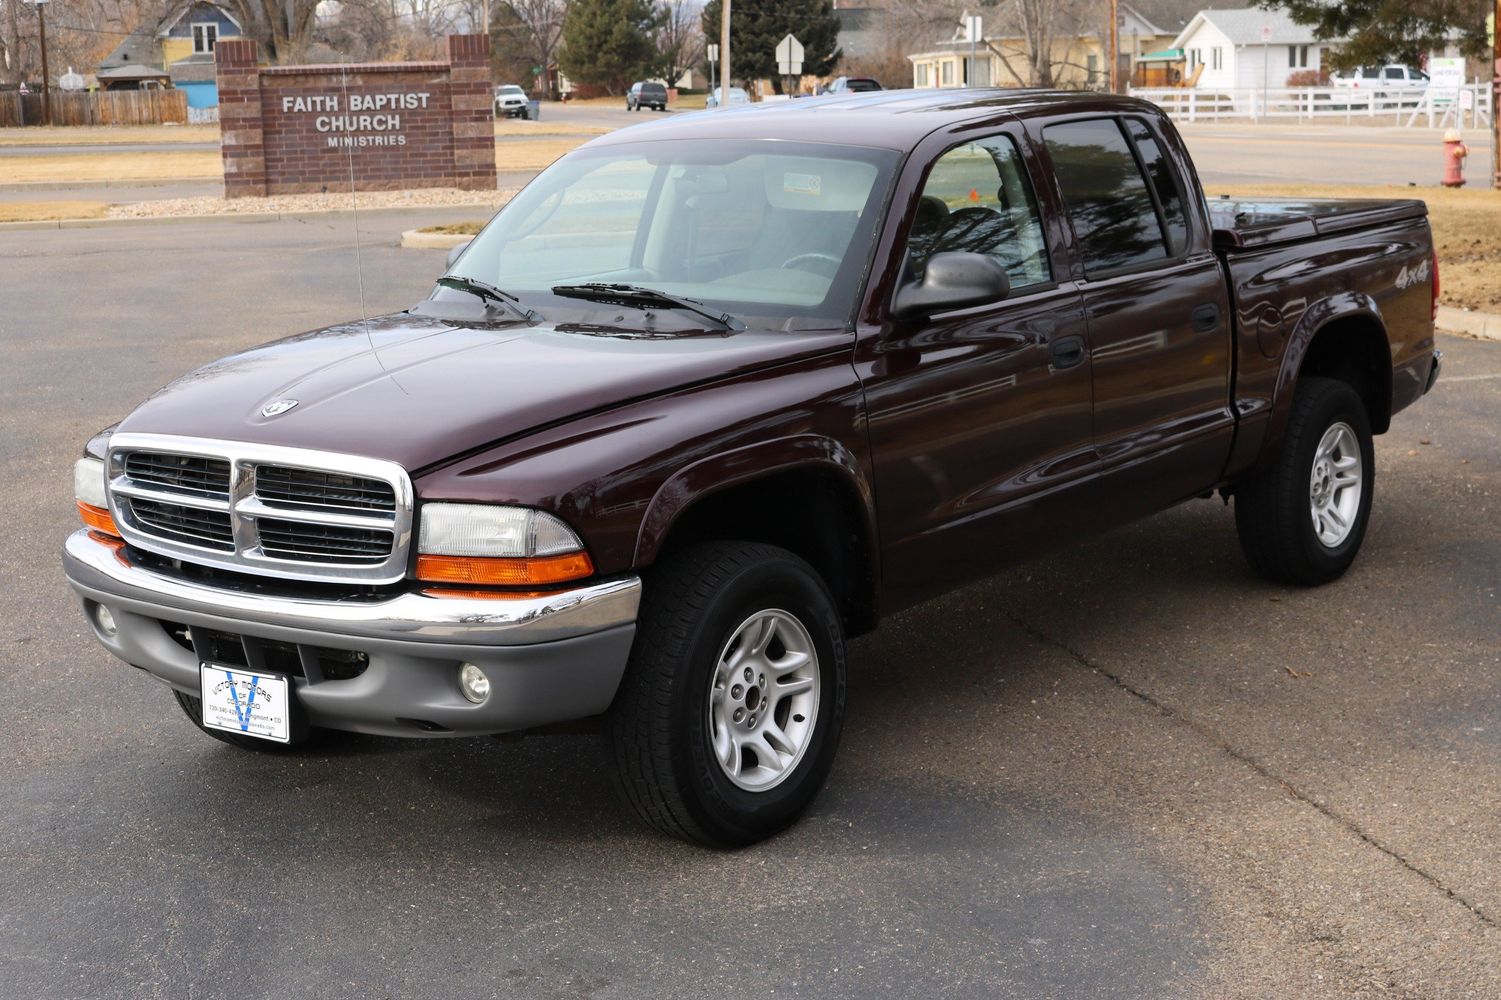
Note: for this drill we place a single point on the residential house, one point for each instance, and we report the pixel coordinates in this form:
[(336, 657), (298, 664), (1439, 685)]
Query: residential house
[(179, 44), (1249, 48), (1077, 60)]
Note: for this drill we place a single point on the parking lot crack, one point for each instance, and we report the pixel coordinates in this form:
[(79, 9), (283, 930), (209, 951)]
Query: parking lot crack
[(1289, 787)]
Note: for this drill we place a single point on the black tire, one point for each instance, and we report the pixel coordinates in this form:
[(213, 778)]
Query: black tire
[(192, 707), (658, 730), (1272, 512)]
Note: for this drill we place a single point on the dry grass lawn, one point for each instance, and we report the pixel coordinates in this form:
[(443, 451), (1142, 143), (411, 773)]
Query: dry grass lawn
[(518, 126), (103, 135), (46, 211), (1466, 231), (533, 155), (64, 167)]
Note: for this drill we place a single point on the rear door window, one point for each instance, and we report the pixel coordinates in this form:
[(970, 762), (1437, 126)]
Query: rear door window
[(1164, 184), (1115, 213)]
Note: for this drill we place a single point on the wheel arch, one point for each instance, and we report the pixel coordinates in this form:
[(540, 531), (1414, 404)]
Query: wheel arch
[(745, 495), (1343, 337)]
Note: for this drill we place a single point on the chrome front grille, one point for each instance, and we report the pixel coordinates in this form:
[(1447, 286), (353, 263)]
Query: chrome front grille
[(277, 484), (323, 543), (190, 474), (286, 512)]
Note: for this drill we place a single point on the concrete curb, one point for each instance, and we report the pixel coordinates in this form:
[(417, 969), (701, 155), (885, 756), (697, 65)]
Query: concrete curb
[(416, 239), (242, 217), (142, 183), (1486, 326)]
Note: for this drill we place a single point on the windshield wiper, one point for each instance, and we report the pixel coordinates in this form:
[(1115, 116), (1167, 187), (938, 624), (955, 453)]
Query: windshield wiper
[(643, 297), (488, 292)]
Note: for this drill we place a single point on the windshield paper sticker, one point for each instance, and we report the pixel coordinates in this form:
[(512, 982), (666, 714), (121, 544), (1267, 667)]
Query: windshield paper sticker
[(802, 184)]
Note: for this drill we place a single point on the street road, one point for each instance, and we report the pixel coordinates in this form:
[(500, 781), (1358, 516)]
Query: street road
[(1131, 770), (1228, 154)]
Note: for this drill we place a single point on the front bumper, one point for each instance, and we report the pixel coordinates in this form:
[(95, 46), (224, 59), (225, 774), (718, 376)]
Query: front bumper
[(550, 658)]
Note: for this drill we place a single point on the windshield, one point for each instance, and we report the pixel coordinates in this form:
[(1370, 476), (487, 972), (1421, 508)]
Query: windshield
[(758, 228), (512, 90)]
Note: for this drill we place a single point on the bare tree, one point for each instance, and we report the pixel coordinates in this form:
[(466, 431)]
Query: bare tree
[(538, 28), (680, 39)]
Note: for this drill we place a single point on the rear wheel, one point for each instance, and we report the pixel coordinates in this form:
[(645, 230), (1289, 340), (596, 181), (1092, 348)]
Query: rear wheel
[(729, 714), (1302, 521)]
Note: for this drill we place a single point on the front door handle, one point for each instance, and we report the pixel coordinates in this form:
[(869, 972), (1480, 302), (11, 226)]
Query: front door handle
[(1067, 352), (1205, 317)]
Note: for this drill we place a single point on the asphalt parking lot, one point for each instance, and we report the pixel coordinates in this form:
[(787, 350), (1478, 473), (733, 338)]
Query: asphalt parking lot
[(1129, 770)]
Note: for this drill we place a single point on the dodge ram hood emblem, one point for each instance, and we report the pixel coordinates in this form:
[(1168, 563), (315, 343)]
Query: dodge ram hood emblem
[(278, 406)]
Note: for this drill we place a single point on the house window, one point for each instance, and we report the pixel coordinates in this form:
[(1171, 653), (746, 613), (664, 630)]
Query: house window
[(205, 36), (947, 79), (1217, 58), (923, 75), (1297, 56)]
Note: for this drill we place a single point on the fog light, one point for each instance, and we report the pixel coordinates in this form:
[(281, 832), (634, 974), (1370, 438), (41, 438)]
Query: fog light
[(106, 620), (474, 683)]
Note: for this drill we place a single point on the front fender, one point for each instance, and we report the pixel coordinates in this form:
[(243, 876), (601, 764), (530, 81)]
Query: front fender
[(760, 460)]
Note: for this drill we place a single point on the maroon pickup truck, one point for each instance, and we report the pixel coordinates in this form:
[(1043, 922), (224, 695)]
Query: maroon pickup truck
[(711, 396)]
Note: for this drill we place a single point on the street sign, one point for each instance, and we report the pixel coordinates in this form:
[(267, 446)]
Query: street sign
[(713, 53), (790, 56), (972, 29), (1266, 33)]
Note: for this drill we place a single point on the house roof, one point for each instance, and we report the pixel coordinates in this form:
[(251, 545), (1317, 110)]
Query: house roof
[(1243, 27), (1171, 16), (133, 71), (171, 20), (143, 45), (194, 69)]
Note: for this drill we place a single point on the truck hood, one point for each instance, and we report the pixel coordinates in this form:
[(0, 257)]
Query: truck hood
[(418, 390)]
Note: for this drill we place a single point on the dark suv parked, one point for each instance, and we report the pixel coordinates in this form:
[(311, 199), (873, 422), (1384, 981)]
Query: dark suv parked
[(646, 95)]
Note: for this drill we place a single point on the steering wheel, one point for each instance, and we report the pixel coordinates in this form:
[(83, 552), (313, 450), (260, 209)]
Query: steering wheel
[(826, 264)]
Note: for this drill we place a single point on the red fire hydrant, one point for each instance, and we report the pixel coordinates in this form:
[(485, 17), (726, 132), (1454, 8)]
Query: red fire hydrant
[(1455, 152)]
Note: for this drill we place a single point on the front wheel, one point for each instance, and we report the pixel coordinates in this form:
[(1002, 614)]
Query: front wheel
[(727, 719), (1302, 520)]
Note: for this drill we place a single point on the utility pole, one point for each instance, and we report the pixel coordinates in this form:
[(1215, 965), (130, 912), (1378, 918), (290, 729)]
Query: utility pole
[(1496, 96), (1115, 46), (41, 21), (724, 53)]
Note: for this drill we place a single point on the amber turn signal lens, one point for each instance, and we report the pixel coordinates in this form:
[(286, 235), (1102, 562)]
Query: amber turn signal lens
[(504, 572), (97, 518)]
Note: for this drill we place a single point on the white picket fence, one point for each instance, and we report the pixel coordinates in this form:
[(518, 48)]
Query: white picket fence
[(1469, 107)]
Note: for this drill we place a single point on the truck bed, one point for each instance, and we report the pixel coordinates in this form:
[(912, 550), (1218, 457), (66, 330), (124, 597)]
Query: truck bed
[(1267, 222)]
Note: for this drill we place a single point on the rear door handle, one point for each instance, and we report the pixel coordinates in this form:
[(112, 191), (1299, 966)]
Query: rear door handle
[(1205, 317), (1067, 352)]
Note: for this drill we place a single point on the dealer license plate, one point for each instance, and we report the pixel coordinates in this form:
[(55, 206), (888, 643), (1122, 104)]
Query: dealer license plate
[(245, 702)]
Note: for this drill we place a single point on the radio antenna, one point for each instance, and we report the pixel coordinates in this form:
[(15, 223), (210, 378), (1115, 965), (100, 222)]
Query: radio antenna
[(354, 202)]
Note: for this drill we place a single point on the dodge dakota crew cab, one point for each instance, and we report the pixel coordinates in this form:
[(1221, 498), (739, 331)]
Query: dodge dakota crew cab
[(713, 395)]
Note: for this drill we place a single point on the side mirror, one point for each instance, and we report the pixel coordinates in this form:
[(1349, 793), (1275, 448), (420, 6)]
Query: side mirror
[(952, 280), (455, 253)]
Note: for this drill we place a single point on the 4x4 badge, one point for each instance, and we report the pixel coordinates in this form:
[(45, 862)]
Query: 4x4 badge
[(277, 407)]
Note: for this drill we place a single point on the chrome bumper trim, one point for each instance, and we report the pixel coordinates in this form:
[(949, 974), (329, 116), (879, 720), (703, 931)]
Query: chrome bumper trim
[(106, 573)]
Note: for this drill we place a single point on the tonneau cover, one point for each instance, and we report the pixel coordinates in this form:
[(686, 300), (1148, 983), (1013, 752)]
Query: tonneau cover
[(1264, 222)]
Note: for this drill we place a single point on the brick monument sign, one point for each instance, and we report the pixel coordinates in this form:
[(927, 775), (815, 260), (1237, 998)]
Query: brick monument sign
[(304, 129)]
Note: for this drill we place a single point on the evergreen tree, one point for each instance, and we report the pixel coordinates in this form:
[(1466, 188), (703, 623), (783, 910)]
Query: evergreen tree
[(1379, 31), (756, 26), (609, 43)]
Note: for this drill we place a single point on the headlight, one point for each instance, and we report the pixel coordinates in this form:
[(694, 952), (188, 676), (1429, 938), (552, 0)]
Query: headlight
[(485, 544), (88, 491), (88, 482)]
